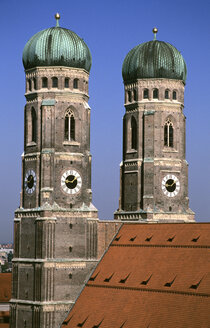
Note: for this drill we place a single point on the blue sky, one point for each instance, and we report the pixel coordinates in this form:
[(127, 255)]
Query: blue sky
[(110, 29)]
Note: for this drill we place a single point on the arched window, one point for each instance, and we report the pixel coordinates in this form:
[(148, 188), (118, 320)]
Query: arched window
[(29, 85), (44, 82), (135, 95), (125, 137), (75, 84), (54, 82), (34, 80), (129, 96), (174, 95), (66, 82), (155, 94), (168, 134), (69, 125), (33, 125), (146, 93), (166, 94), (133, 133)]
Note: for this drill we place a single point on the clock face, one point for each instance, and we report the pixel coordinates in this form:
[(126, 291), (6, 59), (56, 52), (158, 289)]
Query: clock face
[(170, 185), (30, 181), (71, 182)]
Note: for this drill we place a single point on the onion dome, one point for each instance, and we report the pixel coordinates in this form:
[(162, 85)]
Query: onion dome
[(56, 46), (154, 59)]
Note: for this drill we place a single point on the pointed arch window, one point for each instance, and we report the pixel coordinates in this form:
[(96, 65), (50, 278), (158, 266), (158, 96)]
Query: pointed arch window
[(124, 135), (167, 94), (54, 82), (155, 94), (44, 82), (146, 93), (133, 133), (69, 125), (75, 84), (33, 125), (174, 95), (168, 134)]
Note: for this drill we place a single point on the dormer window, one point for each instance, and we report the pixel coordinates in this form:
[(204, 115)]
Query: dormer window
[(54, 82)]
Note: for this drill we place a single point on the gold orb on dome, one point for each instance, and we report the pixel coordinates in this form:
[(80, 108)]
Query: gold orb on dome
[(57, 16), (155, 30)]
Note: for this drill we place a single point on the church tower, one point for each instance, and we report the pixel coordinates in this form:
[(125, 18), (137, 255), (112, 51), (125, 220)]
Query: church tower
[(55, 238), (154, 170)]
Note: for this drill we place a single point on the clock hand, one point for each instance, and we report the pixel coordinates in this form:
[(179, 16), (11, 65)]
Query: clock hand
[(170, 185), (29, 178), (70, 181)]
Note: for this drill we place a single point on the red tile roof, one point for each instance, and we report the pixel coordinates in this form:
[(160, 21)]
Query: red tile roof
[(153, 275), (5, 287), (4, 319)]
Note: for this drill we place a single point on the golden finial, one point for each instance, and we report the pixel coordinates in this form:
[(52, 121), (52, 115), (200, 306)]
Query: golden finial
[(155, 30), (57, 17)]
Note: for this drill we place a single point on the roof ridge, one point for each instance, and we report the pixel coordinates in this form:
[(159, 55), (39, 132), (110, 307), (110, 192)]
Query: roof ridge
[(150, 290), (159, 245)]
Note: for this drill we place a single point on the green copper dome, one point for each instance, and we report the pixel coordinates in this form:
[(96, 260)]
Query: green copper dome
[(56, 46), (154, 59)]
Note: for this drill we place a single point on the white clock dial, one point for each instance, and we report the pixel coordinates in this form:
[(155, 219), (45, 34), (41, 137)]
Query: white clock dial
[(71, 182), (30, 181), (170, 185)]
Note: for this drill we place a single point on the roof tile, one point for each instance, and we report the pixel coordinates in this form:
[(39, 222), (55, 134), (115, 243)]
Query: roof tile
[(5, 287), (149, 282)]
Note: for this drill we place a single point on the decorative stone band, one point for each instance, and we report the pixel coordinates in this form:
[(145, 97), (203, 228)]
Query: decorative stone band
[(150, 216)]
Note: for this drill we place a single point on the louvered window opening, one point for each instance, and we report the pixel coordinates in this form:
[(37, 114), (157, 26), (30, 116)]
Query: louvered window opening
[(69, 126), (34, 123), (168, 134), (133, 133)]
